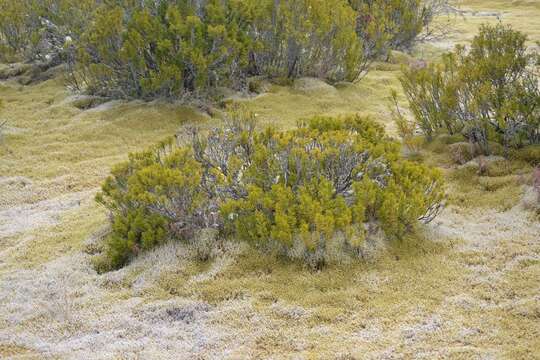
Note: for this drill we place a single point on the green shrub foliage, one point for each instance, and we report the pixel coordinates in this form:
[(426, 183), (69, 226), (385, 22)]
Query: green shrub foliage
[(395, 24), (148, 49), (294, 189), (41, 30), (306, 38), (169, 48), (162, 48), (489, 93)]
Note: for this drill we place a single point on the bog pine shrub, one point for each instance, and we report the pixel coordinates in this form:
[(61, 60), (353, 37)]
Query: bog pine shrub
[(489, 93), (292, 190), (396, 24), (172, 48)]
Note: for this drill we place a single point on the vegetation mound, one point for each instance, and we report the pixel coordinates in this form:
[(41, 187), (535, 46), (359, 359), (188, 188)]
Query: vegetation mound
[(293, 192)]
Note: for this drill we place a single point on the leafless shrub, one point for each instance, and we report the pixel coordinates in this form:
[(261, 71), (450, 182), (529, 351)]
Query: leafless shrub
[(437, 30), (433, 209)]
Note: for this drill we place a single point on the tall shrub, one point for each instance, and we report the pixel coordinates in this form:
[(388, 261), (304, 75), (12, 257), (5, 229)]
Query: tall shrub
[(161, 49), (37, 30), (396, 24), (306, 38)]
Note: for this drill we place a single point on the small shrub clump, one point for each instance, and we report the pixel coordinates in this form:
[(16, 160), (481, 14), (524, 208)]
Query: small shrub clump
[(293, 190), (489, 93)]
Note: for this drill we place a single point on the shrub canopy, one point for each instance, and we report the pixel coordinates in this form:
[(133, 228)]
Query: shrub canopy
[(489, 93), (148, 49), (168, 48), (37, 30), (394, 24), (294, 189)]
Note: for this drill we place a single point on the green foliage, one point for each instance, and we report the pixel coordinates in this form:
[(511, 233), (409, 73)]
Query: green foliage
[(489, 93), (294, 191), (394, 24), (148, 49), (529, 154), (161, 49), (305, 38), (406, 129), (431, 96), (37, 29), (170, 48), (152, 197), (14, 36)]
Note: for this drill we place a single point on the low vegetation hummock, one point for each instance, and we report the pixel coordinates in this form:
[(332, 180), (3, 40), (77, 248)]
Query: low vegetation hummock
[(292, 191)]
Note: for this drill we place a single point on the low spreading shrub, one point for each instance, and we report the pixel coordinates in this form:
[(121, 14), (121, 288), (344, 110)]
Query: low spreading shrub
[(291, 191), (489, 93)]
